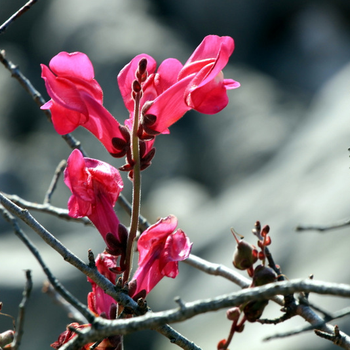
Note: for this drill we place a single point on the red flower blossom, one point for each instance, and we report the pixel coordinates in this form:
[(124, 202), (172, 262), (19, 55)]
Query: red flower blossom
[(99, 302), (95, 187), (174, 89), (76, 100), (111, 343), (68, 334), (160, 250)]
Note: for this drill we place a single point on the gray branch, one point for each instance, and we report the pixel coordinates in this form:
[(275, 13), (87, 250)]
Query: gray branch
[(104, 328), (45, 208), (16, 15)]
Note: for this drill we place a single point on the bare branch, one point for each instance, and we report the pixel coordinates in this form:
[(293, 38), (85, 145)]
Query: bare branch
[(72, 312), (16, 15), (104, 328), (56, 176), (46, 208), (177, 338), (324, 228), (328, 317), (53, 280), (335, 337), (20, 320), (68, 256), (217, 270)]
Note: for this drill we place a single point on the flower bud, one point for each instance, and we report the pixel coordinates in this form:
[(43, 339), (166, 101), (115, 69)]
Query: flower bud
[(245, 255), (233, 313), (263, 275), (254, 309)]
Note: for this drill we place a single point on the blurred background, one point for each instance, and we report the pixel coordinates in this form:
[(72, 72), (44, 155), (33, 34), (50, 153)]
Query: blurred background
[(278, 153)]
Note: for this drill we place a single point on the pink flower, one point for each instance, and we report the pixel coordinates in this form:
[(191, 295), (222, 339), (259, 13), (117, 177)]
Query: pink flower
[(102, 304), (95, 187), (174, 89), (68, 334), (160, 250), (99, 302), (76, 100)]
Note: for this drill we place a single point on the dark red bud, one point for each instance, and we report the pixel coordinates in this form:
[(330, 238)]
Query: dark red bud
[(265, 230), (257, 228), (147, 105), (254, 309), (149, 156), (113, 311), (233, 313), (121, 145), (221, 344), (126, 167), (136, 86), (263, 275), (261, 256), (267, 241), (149, 119), (142, 66)]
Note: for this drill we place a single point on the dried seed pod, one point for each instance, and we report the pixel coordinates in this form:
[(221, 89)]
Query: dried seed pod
[(245, 254)]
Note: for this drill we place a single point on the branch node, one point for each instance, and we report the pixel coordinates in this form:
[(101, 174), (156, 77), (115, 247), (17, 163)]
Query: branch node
[(336, 337), (181, 304), (91, 258)]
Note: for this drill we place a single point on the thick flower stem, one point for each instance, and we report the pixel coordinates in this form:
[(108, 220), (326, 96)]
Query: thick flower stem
[(136, 194)]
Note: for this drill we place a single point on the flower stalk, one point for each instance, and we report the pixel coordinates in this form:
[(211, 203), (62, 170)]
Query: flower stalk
[(136, 192)]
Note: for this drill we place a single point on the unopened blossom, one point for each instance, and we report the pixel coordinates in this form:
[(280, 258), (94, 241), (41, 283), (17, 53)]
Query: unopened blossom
[(68, 334), (160, 249), (174, 89), (95, 187), (99, 302), (77, 100)]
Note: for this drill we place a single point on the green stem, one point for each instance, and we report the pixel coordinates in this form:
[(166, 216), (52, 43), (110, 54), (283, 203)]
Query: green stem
[(136, 194)]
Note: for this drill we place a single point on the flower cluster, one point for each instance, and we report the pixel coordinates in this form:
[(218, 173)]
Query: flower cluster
[(155, 98), (167, 93)]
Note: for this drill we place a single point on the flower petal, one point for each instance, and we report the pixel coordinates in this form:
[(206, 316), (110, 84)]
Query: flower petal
[(75, 64), (170, 106)]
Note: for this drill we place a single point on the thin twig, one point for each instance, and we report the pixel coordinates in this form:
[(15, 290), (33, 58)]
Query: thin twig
[(53, 184), (53, 280), (217, 270), (16, 15), (177, 338), (329, 317), (105, 328), (22, 306), (334, 337), (324, 228), (68, 256), (71, 311), (46, 208), (36, 96)]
